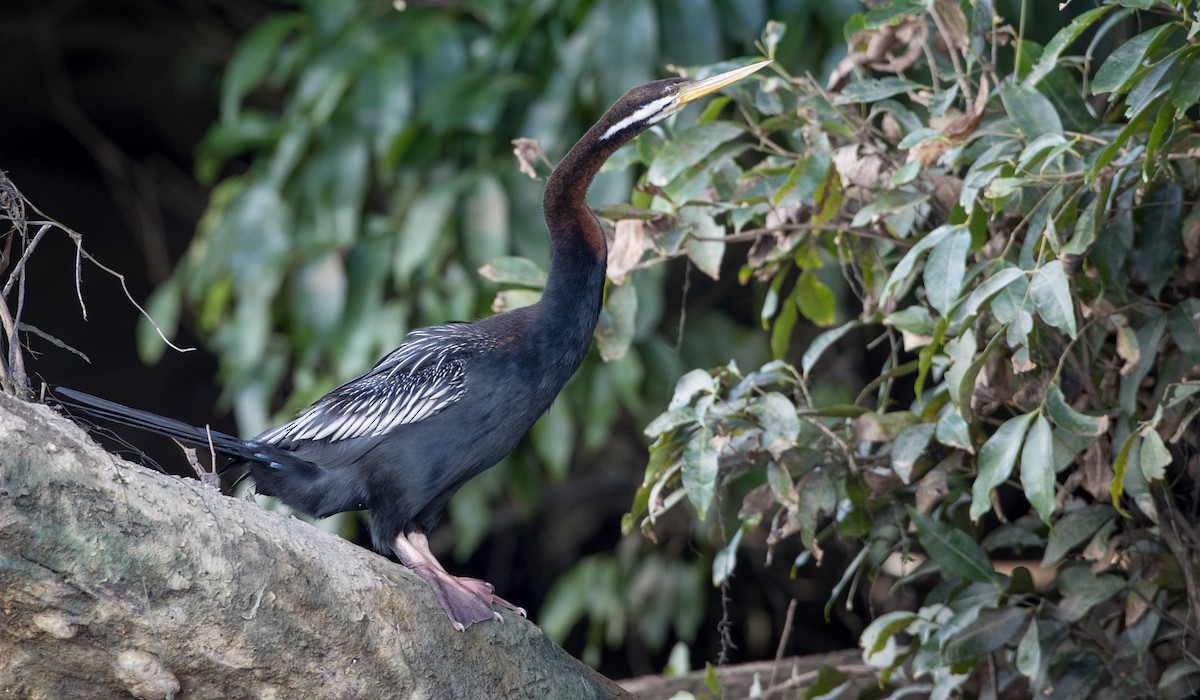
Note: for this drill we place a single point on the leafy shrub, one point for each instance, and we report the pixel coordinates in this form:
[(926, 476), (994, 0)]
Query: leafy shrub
[(1013, 227)]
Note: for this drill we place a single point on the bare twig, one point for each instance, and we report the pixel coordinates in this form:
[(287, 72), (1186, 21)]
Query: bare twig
[(783, 637), (847, 453), (13, 375)]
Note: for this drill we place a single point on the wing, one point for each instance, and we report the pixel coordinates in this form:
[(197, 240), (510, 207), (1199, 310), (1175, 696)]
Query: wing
[(417, 380)]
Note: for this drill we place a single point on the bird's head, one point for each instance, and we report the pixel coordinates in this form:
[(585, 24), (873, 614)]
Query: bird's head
[(648, 104)]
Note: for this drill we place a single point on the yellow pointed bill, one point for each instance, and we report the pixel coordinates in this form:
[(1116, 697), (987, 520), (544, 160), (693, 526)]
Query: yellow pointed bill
[(699, 88)]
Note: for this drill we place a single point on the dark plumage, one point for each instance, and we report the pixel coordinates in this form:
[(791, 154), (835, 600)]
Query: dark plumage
[(454, 399)]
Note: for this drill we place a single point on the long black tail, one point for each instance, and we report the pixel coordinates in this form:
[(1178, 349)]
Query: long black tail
[(296, 481), (254, 452)]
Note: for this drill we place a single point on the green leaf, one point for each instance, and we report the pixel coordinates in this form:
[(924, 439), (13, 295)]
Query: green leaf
[(1187, 88), (953, 431), (726, 560), (1146, 89), (781, 330), (1155, 457), (1148, 338), (875, 637), (422, 228), (1064, 38), (991, 630), (668, 421), (814, 299), (1051, 293), (1177, 680), (567, 601), (996, 460), (901, 277), (1118, 70), (700, 462), (816, 498), (1071, 420), (318, 296), (249, 64), (908, 447), (828, 680), (1105, 156), (1164, 122), (911, 319), (779, 482), (822, 342), (509, 299), (1042, 151), (687, 149), (1037, 468), (485, 232), (1087, 226), (705, 245), (771, 35), (1183, 331), (777, 416), (1083, 590), (946, 268), (1159, 236), (1030, 111), (1075, 528), (553, 438), (514, 270), (1029, 651), (874, 90), (618, 321), (1116, 489), (954, 551), (990, 287)]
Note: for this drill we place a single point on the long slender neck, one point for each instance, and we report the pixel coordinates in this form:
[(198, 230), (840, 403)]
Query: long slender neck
[(578, 253)]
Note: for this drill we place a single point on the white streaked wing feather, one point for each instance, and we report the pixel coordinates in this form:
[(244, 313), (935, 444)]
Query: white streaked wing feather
[(414, 382)]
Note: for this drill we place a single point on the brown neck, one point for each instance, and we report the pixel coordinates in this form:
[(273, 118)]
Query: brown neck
[(564, 202)]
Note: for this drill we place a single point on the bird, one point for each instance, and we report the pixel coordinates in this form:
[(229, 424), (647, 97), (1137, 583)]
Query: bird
[(453, 399)]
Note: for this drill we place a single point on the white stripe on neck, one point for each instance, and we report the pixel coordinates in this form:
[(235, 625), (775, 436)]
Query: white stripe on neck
[(643, 113)]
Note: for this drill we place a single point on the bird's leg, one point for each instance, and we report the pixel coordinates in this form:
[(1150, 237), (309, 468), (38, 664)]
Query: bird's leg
[(465, 600), (482, 588)]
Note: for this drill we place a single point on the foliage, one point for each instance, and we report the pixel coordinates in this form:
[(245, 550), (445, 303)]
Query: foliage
[(364, 184), (1015, 228)]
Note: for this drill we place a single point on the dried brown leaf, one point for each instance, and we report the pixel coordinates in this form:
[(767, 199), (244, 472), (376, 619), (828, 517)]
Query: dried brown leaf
[(890, 49), (528, 152), (208, 477), (761, 250), (963, 126), (953, 23), (929, 151), (859, 166), (881, 481), (1191, 235), (891, 129), (909, 35), (629, 242), (757, 501), (946, 190), (934, 486), (1097, 471)]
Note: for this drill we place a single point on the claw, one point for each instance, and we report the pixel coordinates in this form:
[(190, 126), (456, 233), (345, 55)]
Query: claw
[(464, 600)]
